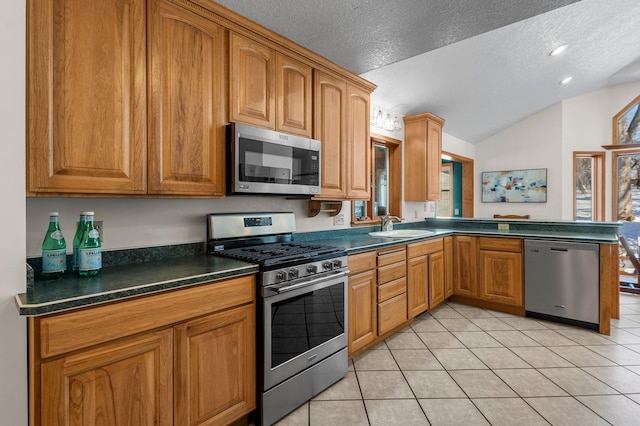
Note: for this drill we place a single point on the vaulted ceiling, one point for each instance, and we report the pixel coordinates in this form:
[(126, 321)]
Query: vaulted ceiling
[(482, 66)]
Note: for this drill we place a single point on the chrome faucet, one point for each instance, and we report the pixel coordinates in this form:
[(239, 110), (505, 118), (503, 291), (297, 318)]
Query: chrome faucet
[(386, 222)]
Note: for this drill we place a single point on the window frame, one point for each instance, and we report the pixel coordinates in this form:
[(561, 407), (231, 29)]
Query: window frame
[(394, 149), (597, 182)]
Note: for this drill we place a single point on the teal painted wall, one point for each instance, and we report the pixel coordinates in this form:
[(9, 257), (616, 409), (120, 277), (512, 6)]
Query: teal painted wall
[(457, 186)]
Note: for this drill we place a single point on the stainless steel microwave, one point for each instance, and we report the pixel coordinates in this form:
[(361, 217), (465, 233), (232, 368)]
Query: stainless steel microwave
[(262, 161)]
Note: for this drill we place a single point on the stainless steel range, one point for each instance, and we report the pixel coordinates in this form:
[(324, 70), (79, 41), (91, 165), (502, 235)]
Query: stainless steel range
[(302, 306)]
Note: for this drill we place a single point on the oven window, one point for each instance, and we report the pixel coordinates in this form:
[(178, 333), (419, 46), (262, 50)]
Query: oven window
[(273, 163), (304, 322)]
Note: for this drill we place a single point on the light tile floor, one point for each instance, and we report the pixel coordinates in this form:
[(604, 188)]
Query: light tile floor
[(461, 365)]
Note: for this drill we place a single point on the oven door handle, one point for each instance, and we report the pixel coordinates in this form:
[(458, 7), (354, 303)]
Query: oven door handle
[(333, 275)]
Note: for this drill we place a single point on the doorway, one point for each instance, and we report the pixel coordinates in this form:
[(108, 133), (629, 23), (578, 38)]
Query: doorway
[(465, 184)]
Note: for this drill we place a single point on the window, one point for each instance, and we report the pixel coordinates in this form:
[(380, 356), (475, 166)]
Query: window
[(386, 182), (588, 188), (626, 200)]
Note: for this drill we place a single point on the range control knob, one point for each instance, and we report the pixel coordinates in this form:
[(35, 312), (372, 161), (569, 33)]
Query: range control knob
[(281, 276), (337, 263), (312, 269), (293, 273), (327, 265)]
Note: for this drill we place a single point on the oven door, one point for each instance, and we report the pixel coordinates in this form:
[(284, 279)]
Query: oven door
[(303, 324)]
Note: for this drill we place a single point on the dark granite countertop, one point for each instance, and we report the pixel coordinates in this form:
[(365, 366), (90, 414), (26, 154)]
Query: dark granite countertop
[(148, 270), (122, 281)]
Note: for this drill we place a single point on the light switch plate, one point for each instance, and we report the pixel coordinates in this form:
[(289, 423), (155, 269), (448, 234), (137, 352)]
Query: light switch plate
[(503, 226)]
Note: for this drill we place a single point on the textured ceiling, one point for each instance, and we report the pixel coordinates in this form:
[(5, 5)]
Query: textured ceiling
[(482, 65)]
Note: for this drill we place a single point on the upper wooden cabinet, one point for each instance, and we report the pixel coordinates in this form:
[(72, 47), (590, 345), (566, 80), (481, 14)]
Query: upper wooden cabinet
[(422, 157), (252, 88), (269, 89), (86, 103), (187, 113), (341, 123)]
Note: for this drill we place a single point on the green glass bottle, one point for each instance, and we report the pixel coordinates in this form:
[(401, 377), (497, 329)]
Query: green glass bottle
[(77, 238), (89, 249), (54, 250)]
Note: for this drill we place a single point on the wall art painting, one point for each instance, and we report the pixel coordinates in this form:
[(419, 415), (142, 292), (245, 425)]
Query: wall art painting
[(515, 186)]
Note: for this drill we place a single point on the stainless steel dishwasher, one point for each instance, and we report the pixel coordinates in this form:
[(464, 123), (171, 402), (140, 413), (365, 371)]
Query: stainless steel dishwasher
[(561, 281)]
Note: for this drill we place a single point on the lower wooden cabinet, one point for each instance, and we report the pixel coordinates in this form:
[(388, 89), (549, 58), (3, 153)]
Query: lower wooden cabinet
[(417, 285), (426, 277), (180, 357), (392, 288), (489, 269), (362, 309), (448, 267), (125, 382)]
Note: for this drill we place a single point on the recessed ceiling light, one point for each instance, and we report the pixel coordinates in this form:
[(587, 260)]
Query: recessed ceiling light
[(558, 50), (566, 80)]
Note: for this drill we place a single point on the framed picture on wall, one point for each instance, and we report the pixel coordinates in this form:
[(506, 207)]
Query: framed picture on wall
[(515, 186)]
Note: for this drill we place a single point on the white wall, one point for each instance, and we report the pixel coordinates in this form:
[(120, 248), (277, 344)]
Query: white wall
[(13, 345), (535, 142), (586, 126), (548, 139)]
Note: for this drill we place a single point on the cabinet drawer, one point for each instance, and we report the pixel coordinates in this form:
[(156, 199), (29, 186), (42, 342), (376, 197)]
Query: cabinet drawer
[(80, 329), (392, 272), (391, 256), (500, 244), (424, 247), (362, 262), (392, 313), (392, 289)]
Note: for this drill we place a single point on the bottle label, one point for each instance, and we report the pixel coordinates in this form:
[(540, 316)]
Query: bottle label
[(94, 233), (89, 259), (57, 235), (54, 261)]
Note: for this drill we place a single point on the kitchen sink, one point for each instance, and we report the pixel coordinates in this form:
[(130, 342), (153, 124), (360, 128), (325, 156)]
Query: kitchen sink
[(402, 233)]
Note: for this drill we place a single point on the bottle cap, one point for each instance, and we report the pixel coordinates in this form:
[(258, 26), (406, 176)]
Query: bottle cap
[(53, 214), (86, 213)]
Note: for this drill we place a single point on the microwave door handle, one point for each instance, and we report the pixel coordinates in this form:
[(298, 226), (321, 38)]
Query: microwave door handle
[(336, 274)]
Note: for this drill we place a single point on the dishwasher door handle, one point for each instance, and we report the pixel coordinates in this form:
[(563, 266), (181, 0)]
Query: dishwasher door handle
[(559, 249)]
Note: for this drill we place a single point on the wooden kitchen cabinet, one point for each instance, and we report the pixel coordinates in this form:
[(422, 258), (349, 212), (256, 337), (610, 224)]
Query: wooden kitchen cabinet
[(362, 300), (269, 89), (252, 88), (448, 267), (215, 367), (500, 270), (185, 356), (465, 277), (392, 288), (425, 275), (341, 122), (422, 153), (187, 108), (86, 97)]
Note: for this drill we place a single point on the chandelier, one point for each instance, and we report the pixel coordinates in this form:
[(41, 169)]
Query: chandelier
[(384, 121)]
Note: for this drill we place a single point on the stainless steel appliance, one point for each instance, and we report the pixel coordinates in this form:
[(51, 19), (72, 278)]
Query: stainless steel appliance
[(302, 307), (561, 281), (262, 161)]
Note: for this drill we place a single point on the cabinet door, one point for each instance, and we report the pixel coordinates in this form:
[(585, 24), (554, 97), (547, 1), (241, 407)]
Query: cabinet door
[(215, 361), (293, 100), (392, 313), (436, 279), (358, 157), (500, 277), (86, 97), (415, 161), (434, 160), (330, 109), (362, 310), (121, 383), (187, 102), (448, 267), (252, 90), (417, 285), (464, 266)]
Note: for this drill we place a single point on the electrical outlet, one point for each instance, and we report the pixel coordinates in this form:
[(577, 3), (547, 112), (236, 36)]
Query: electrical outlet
[(415, 214), (503, 226), (425, 207), (456, 211), (100, 227), (338, 219)]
